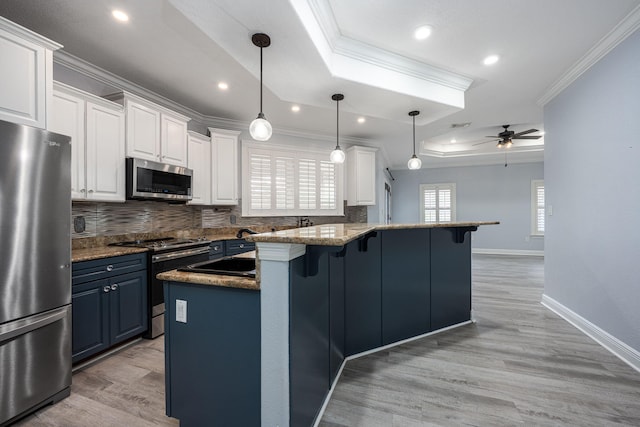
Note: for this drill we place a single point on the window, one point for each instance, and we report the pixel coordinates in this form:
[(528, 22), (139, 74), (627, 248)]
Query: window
[(280, 181), (537, 208), (437, 202)]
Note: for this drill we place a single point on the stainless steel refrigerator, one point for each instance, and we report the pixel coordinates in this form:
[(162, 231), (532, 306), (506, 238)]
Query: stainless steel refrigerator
[(35, 269)]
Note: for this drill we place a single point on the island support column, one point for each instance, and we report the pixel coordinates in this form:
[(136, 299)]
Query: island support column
[(274, 330)]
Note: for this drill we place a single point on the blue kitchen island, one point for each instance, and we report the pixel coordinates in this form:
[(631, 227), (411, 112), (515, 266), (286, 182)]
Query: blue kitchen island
[(267, 352)]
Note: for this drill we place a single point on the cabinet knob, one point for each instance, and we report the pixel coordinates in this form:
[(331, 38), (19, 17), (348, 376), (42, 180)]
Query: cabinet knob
[(109, 267), (216, 248), (83, 191), (90, 191), (106, 289), (114, 287), (241, 245)]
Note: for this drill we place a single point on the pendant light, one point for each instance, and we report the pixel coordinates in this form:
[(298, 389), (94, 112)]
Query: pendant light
[(337, 155), (414, 162), (260, 129)]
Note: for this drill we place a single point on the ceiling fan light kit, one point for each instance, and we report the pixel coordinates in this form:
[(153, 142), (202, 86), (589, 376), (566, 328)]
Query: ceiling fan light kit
[(414, 162), (337, 155), (260, 129)]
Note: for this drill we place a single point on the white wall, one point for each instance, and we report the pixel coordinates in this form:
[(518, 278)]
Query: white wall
[(483, 193), (592, 171)]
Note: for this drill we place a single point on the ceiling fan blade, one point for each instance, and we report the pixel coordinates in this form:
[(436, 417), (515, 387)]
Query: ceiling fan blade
[(492, 136), (527, 137), (483, 142), (524, 132)]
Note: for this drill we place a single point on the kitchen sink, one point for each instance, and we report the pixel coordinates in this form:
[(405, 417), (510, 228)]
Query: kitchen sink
[(244, 267)]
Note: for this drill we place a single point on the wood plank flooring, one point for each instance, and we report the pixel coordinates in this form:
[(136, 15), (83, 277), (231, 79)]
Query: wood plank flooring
[(520, 364), (125, 389)]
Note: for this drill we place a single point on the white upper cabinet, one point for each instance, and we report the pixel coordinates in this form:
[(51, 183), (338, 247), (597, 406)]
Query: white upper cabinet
[(361, 176), (199, 160), (26, 61), (224, 166), (96, 128), (153, 132)]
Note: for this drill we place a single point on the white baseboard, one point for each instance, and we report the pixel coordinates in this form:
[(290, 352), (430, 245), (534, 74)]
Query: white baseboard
[(517, 252), (618, 348)]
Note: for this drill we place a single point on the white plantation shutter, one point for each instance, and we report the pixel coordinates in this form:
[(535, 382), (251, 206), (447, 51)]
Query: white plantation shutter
[(327, 185), (285, 182), (307, 183), (282, 182), (437, 202), (537, 207), (260, 181)]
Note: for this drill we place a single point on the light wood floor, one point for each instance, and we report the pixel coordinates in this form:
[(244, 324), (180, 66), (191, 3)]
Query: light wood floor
[(520, 364)]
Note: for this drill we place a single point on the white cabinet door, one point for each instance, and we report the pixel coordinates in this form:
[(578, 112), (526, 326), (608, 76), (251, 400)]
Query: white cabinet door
[(199, 160), (68, 118), (174, 140), (105, 153), (361, 176), (23, 79), (224, 166), (143, 132)]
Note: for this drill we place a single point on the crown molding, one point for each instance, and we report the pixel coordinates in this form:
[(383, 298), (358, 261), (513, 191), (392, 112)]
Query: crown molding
[(27, 34), (357, 61), (613, 38)]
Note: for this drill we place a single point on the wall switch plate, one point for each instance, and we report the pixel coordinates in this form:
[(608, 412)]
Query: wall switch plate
[(181, 311)]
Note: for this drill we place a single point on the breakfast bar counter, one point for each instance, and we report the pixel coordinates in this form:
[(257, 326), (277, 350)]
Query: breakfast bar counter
[(326, 294)]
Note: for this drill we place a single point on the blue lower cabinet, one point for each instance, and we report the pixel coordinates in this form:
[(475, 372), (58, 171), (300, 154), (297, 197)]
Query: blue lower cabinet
[(107, 306), (450, 278), (309, 335), (405, 284), (363, 299), (212, 358)]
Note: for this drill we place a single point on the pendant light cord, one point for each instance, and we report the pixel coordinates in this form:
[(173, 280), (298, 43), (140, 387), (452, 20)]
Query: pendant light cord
[(337, 123), (260, 80), (414, 135)]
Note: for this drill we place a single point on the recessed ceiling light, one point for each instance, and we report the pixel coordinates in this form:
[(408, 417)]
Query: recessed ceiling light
[(491, 59), (295, 108), (542, 133), (361, 120), (120, 15), (422, 32), (223, 86), (453, 140)]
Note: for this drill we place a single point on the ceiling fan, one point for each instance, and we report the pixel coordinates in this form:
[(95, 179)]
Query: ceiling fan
[(505, 137)]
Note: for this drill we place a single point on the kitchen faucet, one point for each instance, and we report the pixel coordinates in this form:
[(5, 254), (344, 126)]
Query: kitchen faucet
[(245, 230)]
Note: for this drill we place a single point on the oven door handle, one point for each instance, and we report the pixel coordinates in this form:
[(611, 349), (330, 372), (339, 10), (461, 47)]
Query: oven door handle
[(179, 254)]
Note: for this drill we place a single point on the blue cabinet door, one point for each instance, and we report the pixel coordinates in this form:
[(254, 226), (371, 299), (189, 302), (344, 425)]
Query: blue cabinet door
[(363, 299), (405, 284), (128, 305), (450, 279), (90, 319), (309, 335), (336, 314)]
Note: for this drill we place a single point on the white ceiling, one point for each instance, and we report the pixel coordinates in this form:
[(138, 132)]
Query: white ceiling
[(181, 49)]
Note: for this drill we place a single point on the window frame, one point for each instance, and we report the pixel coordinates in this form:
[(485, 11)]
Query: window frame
[(275, 151), (438, 186), (535, 184)]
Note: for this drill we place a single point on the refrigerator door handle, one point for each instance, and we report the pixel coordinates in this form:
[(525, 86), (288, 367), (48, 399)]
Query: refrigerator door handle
[(23, 326)]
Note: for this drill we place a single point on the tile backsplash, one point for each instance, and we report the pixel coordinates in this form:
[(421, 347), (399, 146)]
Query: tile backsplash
[(106, 219)]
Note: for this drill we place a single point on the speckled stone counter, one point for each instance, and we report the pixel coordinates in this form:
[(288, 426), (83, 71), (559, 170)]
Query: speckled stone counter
[(341, 234), (88, 254)]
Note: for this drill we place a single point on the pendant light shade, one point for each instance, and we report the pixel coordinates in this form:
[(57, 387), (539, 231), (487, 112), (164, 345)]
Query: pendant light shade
[(337, 155), (414, 162), (260, 129)]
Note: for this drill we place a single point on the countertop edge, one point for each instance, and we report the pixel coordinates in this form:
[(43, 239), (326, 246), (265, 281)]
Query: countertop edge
[(353, 232), (210, 280)]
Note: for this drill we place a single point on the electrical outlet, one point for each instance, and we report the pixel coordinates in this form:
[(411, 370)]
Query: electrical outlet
[(181, 311)]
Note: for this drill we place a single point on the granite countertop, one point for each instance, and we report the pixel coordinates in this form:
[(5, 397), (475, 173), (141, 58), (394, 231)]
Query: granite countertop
[(341, 234), (98, 252)]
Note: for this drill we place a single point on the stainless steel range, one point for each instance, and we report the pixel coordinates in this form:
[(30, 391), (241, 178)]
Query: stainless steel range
[(164, 255)]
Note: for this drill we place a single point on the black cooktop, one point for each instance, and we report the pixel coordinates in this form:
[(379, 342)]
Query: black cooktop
[(164, 243)]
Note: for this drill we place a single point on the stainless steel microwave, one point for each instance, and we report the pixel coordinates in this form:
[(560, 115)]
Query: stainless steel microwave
[(147, 180)]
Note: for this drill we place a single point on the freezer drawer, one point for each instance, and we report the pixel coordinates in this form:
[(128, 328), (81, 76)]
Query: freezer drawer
[(35, 355)]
